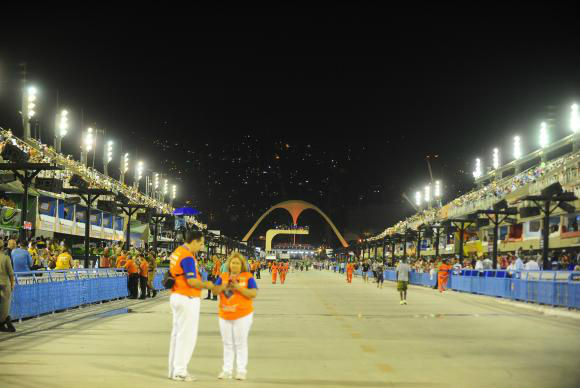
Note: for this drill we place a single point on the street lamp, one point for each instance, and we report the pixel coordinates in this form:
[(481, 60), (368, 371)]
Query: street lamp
[(495, 158), (574, 118), (517, 148), (543, 135)]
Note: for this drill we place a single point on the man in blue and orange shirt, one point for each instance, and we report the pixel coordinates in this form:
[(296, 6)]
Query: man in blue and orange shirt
[(185, 304)]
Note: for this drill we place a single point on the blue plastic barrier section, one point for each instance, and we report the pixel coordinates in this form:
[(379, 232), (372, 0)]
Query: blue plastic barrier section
[(555, 288), (41, 292)]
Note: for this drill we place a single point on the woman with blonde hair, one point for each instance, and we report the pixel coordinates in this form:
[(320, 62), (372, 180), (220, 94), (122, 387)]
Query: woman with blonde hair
[(236, 288)]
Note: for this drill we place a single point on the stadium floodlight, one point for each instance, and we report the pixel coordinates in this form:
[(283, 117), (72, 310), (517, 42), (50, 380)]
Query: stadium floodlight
[(63, 123), (109, 152), (165, 187), (31, 98), (418, 198), (139, 170), (173, 191), (125, 165), (517, 148), (156, 181), (574, 118), (437, 191), (428, 194), (544, 135), (477, 171), (495, 158), (89, 140)]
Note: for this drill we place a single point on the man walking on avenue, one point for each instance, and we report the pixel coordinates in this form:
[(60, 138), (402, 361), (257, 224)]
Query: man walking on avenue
[(403, 279)]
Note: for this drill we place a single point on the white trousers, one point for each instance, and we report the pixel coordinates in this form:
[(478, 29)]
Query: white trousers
[(235, 339), (184, 332)]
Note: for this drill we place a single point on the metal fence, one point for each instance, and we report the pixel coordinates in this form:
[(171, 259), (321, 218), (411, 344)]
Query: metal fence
[(41, 292), (554, 288)]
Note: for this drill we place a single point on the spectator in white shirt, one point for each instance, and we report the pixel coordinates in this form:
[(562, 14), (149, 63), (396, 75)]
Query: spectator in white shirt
[(519, 265), (479, 264), (531, 265)]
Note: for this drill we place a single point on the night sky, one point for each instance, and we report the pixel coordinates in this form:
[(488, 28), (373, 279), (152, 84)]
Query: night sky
[(339, 106)]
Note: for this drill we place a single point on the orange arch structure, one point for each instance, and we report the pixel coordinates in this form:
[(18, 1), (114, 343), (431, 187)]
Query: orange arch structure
[(295, 208)]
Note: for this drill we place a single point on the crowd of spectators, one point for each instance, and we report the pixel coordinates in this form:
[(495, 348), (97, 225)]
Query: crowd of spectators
[(493, 192), (42, 153)]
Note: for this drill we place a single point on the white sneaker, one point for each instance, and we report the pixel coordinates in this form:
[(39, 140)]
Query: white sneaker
[(187, 377), (225, 375), (401, 303), (240, 376)]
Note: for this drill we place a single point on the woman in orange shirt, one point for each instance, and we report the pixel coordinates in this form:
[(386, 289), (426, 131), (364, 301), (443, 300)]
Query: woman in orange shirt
[(443, 275), (274, 269), (349, 271), (236, 289)]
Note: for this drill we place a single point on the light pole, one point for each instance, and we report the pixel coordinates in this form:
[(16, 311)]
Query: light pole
[(575, 124), (138, 175), (165, 188), (124, 167), (28, 109), (88, 142), (107, 157), (61, 129), (173, 193)]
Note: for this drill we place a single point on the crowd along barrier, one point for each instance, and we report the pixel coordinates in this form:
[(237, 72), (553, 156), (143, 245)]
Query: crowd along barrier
[(41, 292), (554, 288)]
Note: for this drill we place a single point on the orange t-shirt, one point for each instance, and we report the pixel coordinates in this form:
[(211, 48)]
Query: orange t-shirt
[(349, 268), (181, 286), (443, 268), (274, 268), (217, 265), (131, 267), (234, 305), (120, 263), (144, 269)]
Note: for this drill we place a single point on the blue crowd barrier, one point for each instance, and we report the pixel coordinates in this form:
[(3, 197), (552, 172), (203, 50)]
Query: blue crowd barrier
[(555, 288), (42, 292)]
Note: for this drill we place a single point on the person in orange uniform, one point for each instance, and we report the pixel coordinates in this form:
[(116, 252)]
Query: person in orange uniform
[(185, 304), (274, 270), (121, 260), (283, 272), (143, 276), (133, 282), (236, 288), (349, 272), (443, 275)]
